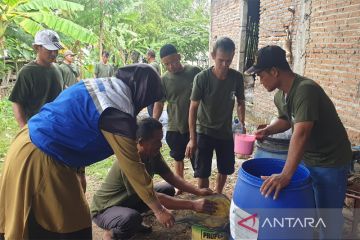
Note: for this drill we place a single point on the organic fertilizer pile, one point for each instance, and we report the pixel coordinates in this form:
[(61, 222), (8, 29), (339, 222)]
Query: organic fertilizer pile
[(216, 220)]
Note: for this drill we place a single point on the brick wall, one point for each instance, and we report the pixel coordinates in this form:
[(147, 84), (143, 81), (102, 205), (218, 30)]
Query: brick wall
[(225, 22), (330, 51), (274, 17), (333, 57)]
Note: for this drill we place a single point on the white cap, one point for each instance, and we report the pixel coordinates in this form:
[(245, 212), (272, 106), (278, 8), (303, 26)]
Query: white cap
[(48, 39), (69, 52)]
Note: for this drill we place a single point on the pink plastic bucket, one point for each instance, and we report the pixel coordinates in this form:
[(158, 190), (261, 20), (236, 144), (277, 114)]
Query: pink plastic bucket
[(244, 144)]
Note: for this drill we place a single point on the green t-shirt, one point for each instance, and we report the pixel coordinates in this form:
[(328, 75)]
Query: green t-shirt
[(156, 66), (177, 88), (103, 70), (36, 85), (69, 73), (328, 145), (116, 188), (217, 99)]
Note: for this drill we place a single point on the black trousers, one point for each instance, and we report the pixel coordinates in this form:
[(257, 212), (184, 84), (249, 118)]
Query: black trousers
[(38, 232), (125, 220)]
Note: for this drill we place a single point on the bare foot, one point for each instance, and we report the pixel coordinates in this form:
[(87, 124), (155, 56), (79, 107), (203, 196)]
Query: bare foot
[(107, 235)]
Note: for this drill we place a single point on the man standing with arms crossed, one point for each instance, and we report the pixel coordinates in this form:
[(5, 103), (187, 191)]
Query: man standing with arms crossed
[(210, 115), (177, 84)]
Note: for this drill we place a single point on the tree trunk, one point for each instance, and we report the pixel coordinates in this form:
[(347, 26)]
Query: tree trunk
[(101, 30)]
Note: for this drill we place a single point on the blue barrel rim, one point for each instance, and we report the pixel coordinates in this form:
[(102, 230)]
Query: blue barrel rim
[(257, 181)]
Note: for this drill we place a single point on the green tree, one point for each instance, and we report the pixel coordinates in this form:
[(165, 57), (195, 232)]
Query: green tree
[(21, 19), (135, 26), (34, 15)]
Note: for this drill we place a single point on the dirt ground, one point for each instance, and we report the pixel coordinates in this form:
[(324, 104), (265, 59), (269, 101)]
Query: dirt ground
[(179, 231), (183, 231)]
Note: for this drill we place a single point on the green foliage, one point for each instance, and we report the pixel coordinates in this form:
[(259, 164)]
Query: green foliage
[(135, 26), (21, 19), (8, 127), (100, 169), (129, 27), (50, 5), (34, 15), (183, 23), (59, 24), (19, 45)]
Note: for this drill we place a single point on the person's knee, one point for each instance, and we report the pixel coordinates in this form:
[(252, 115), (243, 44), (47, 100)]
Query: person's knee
[(170, 190), (165, 188), (128, 226), (132, 220)]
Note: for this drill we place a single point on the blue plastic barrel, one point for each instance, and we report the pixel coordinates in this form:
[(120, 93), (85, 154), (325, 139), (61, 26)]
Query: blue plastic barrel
[(254, 216)]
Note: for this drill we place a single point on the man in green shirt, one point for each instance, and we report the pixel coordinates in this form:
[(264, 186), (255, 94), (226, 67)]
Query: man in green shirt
[(319, 138), (150, 58), (39, 81), (68, 70), (177, 84), (212, 102), (103, 68), (117, 208)]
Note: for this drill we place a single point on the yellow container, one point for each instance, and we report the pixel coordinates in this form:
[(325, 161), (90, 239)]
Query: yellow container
[(203, 233)]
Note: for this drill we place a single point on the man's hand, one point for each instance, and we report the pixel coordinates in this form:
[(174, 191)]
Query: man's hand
[(19, 114), (244, 129), (272, 183), (260, 134), (165, 217), (191, 148), (204, 205), (205, 192)]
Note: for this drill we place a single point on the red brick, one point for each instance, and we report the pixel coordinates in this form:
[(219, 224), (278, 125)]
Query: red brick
[(332, 53)]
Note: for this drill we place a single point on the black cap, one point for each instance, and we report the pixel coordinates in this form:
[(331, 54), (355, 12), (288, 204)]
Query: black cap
[(167, 49), (268, 57)]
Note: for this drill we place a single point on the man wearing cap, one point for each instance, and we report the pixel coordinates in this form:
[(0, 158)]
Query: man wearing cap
[(210, 116), (319, 137), (68, 70), (103, 68), (177, 84), (39, 81)]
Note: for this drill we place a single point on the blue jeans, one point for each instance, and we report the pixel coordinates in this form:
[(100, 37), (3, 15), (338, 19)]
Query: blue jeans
[(329, 186)]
